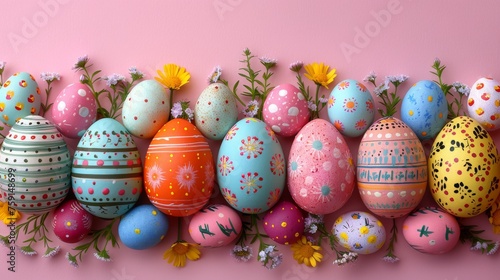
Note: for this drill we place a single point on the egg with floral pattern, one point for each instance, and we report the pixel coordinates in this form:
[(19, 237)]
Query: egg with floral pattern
[(179, 169), (463, 168), (74, 110), (19, 97), (251, 167), (483, 103), (431, 230), (146, 109), (285, 110), (351, 108), (216, 225), (284, 223), (107, 170), (216, 111), (35, 166), (391, 168), (71, 223), (143, 227), (359, 232), (424, 109), (321, 172)]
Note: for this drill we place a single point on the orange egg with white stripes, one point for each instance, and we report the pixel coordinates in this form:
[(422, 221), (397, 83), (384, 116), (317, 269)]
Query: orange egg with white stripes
[(179, 169)]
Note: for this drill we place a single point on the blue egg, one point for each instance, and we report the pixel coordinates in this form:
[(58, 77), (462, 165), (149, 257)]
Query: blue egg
[(424, 109), (251, 168), (143, 227), (19, 97)]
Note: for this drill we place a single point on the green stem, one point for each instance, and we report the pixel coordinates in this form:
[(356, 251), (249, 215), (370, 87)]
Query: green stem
[(394, 238), (171, 100), (316, 113)]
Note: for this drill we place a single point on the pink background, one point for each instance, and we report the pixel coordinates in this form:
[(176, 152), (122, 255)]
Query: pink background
[(389, 37)]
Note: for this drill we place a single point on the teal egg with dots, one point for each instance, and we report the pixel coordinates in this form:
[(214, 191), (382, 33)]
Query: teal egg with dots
[(143, 227), (424, 109), (107, 170)]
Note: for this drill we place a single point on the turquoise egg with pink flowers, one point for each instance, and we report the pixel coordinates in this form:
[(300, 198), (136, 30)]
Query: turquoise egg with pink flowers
[(251, 167), (107, 171), (351, 108)]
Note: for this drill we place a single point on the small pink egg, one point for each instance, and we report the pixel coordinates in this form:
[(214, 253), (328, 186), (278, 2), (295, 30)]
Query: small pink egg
[(74, 110), (285, 110), (431, 230), (284, 223), (71, 223), (215, 226)]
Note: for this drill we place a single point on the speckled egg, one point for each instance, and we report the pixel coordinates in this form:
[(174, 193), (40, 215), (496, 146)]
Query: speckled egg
[(284, 223), (351, 108), (19, 97), (74, 110), (251, 167), (143, 227), (215, 226), (321, 173), (391, 168), (215, 111), (71, 223), (359, 232), (483, 103), (424, 109), (430, 230), (107, 170), (179, 169), (35, 166), (463, 168), (146, 109), (285, 110)]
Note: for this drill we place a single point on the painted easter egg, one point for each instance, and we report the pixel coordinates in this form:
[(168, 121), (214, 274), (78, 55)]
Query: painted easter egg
[(179, 169), (284, 223), (107, 170), (35, 166), (71, 223), (430, 230), (251, 167), (146, 109), (74, 110), (19, 97), (143, 227), (285, 110), (216, 111), (424, 109), (321, 173), (483, 104), (351, 108), (391, 168), (359, 232), (215, 226), (463, 168)]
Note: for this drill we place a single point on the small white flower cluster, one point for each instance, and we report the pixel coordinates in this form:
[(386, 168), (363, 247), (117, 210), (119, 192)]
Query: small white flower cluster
[(50, 76), (52, 252), (296, 66), (113, 79), (251, 109), (462, 89), (346, 258), (241, 253), (268, 62), (489, 248), (390, 259), (370, 77), (215, 75), (311, 223), (134, 72), (2, 65), (182, 110), (270, 258), (397, 79)]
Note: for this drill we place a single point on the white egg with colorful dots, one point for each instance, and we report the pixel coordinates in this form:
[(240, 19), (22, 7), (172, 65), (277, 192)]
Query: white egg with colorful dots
[(143, 227), (359, 232), (146, 109), (351, 108), (285, 110), (483, 104), (74, 110)]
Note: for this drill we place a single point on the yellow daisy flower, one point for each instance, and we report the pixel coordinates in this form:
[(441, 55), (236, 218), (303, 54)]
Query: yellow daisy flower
[(318, 73), (173, 76), (8, 215), (306, 253), (180, 251)]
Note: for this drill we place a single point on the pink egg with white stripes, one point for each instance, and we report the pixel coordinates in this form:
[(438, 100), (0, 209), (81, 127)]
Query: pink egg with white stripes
[(285, 110), (74, 110)]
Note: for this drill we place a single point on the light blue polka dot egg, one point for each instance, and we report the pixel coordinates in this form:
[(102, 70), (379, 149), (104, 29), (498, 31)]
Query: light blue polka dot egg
[(424, 109), (143, 227)]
